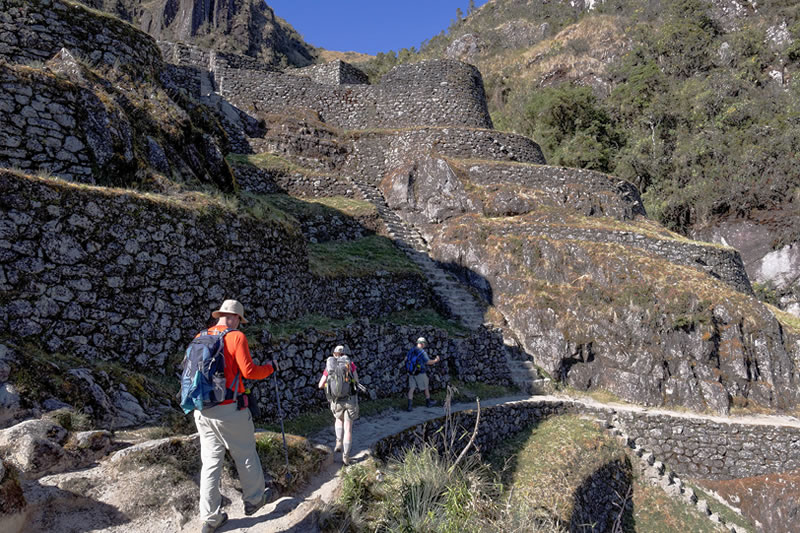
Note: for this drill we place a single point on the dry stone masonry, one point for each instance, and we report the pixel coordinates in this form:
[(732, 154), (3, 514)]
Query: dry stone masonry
[(428, 93), (112, 274), (35, 30), (379, 352)]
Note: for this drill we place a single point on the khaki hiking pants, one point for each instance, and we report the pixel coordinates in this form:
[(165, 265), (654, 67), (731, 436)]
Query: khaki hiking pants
[(224, 427)]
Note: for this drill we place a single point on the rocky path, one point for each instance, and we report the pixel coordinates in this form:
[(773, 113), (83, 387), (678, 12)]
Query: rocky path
[(291, 514)]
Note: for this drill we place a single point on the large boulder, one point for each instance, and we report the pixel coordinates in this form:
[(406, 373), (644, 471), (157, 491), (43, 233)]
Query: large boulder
[(40, 447), (426, 191), (35, 447), (13, 509)]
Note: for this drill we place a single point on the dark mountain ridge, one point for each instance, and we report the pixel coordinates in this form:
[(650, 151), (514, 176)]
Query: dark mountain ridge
[(248, 27)]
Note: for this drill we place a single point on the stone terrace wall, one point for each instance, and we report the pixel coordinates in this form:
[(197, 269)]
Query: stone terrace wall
[(438, 92), (209, 60), (376, 153), (561, 180), (335, 72), (42, 121), (722, 263), (35, 30), (379, 353), (109, 274), (714, 448), (693, 446)]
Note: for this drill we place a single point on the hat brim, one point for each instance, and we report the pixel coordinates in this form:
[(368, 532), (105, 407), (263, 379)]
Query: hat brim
[(218, 313)]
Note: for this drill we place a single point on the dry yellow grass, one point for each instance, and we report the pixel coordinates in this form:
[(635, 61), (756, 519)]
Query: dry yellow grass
[(349, 57), (583, 47)]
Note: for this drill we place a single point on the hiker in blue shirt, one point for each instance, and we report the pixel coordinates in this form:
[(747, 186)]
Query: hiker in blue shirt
[(417, 362)]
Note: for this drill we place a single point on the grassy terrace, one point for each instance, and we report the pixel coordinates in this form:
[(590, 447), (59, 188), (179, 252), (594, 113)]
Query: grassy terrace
[(306, 207), (422, 317), (361, 257), (267, 161), (567, 218)]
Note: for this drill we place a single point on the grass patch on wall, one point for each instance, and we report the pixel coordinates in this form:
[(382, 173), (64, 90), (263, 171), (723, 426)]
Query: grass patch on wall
[(425, 317), (284, 330), (419, 317), (787, 320), (361, 257), (272, 162), (302, 207)]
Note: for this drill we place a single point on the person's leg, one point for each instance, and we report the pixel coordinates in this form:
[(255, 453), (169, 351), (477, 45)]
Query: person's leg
[(339, 428), (412, 384), (238, 432), (348, 438), (212, 453), (350, 415), (425, 386)]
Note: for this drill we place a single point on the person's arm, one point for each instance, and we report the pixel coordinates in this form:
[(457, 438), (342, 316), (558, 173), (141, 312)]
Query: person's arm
[(430, 361), (244, 360), (323, 379)]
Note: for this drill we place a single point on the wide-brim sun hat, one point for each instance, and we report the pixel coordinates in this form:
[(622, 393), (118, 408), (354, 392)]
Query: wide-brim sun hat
[(422, 340), (230, 307), (339, 349)]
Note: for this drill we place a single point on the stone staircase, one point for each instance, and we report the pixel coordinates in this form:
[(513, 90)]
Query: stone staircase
[(458, 300), (525, 375)]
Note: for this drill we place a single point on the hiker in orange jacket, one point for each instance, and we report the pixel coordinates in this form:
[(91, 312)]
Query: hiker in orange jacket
[(226, 426)]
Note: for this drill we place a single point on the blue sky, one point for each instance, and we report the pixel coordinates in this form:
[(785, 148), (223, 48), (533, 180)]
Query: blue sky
[(368, 26)]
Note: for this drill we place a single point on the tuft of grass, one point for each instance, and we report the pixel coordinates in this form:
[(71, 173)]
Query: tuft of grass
[(304, 460), (787, 320), (70, 419), (361, 257)]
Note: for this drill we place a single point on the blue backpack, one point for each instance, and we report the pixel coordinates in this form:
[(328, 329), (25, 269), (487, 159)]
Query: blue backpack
[(414, 361), (203, 377)]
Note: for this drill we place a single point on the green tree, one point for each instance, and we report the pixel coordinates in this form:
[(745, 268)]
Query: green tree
[(572, 128)]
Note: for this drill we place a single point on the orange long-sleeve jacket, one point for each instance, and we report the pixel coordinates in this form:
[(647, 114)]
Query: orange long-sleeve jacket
[(238, 359)]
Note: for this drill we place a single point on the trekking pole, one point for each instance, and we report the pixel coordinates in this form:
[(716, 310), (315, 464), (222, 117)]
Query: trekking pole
[(283, 433)]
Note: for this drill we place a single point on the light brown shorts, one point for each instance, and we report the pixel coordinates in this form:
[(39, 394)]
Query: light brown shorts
[(419, 381), (345, 410)]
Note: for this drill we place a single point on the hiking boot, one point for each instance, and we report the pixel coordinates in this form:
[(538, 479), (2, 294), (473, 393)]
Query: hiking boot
[(251, 508), (408, 408), (346, 459), (429, 403), (209, 528), (338, 447)]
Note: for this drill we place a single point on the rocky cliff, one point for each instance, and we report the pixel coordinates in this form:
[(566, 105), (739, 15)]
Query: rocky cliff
[(248, 27)]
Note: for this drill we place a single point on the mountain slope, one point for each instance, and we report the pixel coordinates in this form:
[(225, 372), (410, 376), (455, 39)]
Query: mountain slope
[(247, 27), (693, 101)]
